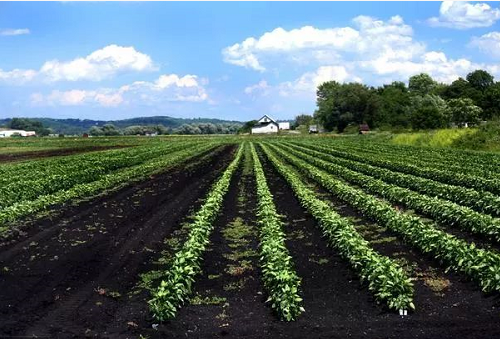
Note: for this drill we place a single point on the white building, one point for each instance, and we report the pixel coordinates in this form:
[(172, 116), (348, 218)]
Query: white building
[(267, 125), (10, 132)]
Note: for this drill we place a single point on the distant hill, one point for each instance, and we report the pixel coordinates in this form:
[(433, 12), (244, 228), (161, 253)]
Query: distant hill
[(78, 126)]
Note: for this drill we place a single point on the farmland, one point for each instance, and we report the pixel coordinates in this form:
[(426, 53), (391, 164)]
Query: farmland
[(136, 237)]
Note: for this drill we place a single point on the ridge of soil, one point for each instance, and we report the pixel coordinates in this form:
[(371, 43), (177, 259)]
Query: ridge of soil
[(32, 155), (69, 278)]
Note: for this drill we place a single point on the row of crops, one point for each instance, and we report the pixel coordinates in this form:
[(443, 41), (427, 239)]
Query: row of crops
[(436, 201), (27, 188), (420, 204)]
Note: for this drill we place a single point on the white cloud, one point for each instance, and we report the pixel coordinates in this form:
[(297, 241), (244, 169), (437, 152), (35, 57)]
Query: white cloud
[(464, 15), (373, 50), (101, 97), (101, 64), (372, 36), (14, 31), (488, 43), (308, 82), (168, 87), (258, 87), (17, 76), (98, 65)]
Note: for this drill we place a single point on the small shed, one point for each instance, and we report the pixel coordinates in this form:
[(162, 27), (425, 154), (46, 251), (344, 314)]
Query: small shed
[(364, 129)]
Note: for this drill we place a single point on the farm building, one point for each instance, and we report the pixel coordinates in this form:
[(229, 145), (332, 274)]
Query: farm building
[(364, 128), (266, 125), (5, 133)]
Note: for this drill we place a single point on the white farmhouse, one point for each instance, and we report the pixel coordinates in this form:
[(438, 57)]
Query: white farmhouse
[(5, 133), (267, 125)]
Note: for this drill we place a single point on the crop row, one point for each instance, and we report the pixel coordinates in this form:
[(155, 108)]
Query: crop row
[(279, 276), (386, 279), (435, 156), (440, 210), (106, 182), (64, 177), (479, 264), (177, 285), (419, 169), (481, 201)]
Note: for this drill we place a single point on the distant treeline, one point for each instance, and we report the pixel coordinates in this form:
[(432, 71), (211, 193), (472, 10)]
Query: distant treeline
[(80, 126), (189, 129), (423, 104)]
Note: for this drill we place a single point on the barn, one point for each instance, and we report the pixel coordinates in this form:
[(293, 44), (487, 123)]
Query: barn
[(5, 133), (267, 125)]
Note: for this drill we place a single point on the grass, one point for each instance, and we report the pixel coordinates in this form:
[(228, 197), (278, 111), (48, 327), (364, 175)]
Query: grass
[(437, 138)]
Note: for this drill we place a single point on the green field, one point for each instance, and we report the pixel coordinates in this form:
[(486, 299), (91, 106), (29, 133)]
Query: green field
[(406, 222)]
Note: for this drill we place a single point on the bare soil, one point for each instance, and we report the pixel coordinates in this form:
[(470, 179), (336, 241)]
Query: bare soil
[(10, 157), (74, 276)]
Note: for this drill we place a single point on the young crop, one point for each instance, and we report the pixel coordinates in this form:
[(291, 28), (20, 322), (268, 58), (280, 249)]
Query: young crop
[(280, 279), (440, 210), (480, 265), (109, 181), (386, 279), (481, 201), (420, 169), (175, 289), (49, 176)]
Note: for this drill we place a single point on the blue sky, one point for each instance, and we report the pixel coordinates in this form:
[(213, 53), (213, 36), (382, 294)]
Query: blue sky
[(226, 60)]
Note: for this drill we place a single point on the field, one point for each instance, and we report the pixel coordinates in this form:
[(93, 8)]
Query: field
[(279, 237)]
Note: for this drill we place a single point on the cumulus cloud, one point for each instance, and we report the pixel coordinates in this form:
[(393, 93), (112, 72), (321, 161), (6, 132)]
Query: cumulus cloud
[(17, 76), (76, 97), (372, 35), (488, 43), (261, 86), (465, 15), (372, 50), (168, 87), (101, 64), (14, 31), (308, 82), (98, 65)]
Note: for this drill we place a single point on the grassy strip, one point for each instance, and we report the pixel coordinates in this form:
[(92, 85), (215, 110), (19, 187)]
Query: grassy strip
[(386, 279), (175, 289), (25, 208), (480, 265), (280, 279), (440, 210), (481, 201)]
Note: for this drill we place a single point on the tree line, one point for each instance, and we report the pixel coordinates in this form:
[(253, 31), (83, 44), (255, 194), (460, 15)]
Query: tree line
[(422, 104), (189, 129)]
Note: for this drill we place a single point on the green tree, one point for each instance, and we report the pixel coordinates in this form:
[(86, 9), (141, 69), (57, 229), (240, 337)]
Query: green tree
[(96, 131), (463, 111), (421, 84), (304, 120), (342, 104), (110, 130), (394, 105), (429, 112), (247, 126), (29, 125), (480, 79)]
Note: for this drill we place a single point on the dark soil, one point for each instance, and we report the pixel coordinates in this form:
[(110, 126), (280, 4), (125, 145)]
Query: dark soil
[(70, 278), (75, 276), (10, 157)]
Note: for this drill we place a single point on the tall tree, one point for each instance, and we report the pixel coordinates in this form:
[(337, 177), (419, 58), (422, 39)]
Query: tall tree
[(480, 79), (463, 111), (429, 112), (421, 84)]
